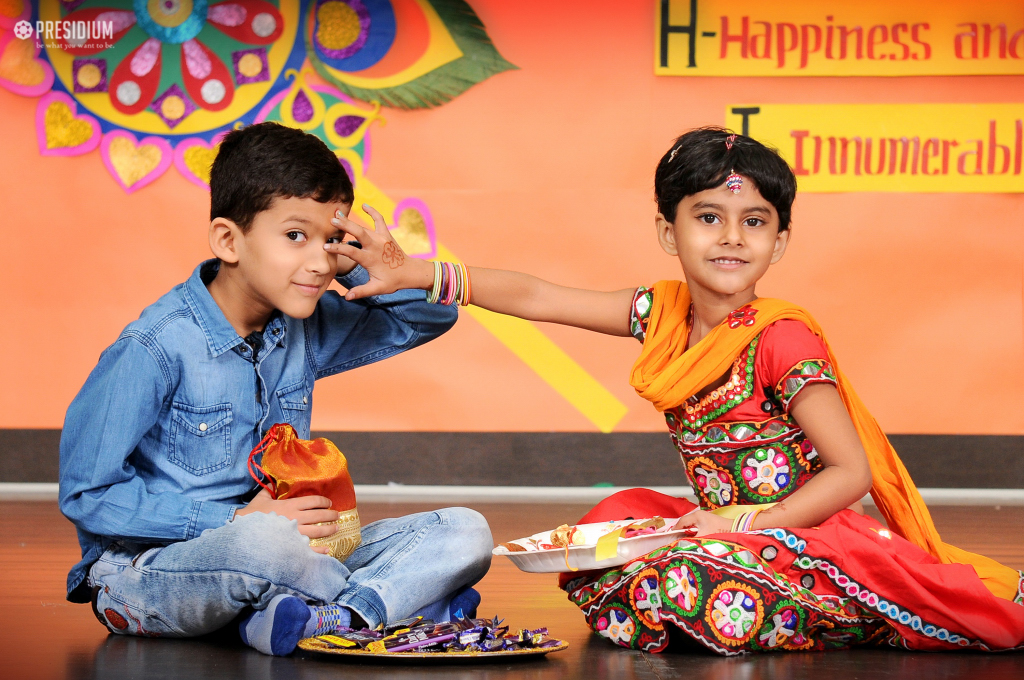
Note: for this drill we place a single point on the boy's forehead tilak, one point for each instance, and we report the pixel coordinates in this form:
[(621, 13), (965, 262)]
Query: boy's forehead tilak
[(709, 205), (327, 227)]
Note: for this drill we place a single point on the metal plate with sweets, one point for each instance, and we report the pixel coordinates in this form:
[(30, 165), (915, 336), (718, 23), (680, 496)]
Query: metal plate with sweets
[(572, 548), (417, 640), (316, 645)]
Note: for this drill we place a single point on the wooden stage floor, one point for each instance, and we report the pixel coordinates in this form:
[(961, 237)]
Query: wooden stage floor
[(45, 637)]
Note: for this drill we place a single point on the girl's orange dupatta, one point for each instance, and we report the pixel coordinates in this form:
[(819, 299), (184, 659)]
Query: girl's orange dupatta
[(667, 375), (293, 467)]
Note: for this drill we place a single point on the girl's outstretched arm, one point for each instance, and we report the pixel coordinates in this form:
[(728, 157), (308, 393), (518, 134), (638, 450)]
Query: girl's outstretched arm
[(531, 298), (506, 292), (846, 477)]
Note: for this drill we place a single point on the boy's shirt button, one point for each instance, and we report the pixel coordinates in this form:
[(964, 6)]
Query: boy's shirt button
[(305, 400), (202, 427), (276, 331)]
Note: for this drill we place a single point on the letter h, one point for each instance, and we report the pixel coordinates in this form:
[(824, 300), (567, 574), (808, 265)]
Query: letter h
[(689, 29)]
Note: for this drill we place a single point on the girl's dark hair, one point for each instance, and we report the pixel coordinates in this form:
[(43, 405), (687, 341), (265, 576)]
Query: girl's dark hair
[(701, 159), (261, 162)]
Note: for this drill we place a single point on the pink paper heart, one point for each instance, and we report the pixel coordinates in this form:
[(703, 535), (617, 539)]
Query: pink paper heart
[(413, 228), (62, 128), (134, 163), (22, 57), (184, 157)]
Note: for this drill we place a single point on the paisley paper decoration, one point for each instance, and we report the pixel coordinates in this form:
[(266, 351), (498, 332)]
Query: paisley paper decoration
[(301, 107), (354, 166), (60, 131), (346, 124), (132, 162), (407, 54)]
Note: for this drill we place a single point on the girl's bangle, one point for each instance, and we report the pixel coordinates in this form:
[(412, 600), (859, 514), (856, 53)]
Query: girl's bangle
[(451, 284), (748, 524), (435, 290), (744, 521)]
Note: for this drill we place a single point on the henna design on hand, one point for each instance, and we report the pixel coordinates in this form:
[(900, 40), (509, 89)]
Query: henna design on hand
[(393, 255)]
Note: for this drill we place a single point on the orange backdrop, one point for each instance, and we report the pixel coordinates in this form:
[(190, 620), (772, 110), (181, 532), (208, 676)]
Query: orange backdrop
[(549, 170)]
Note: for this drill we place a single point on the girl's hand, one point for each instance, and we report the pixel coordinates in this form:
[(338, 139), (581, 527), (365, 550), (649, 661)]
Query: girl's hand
[(705, 522), (381, 256)]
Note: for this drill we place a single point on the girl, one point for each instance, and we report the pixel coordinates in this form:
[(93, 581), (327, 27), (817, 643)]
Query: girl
[(777, 446)]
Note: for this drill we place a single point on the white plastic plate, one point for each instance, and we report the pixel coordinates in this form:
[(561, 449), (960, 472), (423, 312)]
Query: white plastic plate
[(583, 557)]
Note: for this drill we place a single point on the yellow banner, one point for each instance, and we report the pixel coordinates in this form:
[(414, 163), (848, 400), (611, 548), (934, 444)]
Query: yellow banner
[(816, 38), (892, 147)]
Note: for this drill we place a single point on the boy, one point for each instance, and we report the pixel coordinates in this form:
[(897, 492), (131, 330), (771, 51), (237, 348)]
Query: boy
[(154, 448)]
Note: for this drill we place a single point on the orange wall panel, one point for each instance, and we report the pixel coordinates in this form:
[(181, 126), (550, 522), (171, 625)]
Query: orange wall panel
[(549, 169)]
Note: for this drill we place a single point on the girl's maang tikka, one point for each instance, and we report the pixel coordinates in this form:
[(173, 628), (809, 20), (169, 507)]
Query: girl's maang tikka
[(734, 183)]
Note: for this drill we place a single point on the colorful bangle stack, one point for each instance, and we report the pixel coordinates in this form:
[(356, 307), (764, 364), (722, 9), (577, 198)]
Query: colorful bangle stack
[(744, 521), (451, 284)]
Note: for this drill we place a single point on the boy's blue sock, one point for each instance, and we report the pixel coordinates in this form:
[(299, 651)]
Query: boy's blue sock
[(464, 604), (278, 628)]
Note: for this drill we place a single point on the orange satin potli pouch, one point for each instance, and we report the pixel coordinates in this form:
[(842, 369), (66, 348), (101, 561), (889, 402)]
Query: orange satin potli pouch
[(293, 467)]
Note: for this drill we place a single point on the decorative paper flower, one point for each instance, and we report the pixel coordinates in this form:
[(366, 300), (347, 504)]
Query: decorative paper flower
[(130, 66), (158, 82)]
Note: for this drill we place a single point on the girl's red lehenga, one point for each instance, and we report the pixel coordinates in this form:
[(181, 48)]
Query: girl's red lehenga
[(849, 581)]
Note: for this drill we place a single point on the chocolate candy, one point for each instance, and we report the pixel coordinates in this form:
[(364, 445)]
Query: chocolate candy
[(423, 635), (406, 623)]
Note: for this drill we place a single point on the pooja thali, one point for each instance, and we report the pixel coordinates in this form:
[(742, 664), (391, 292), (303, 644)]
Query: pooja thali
[(591, 546)]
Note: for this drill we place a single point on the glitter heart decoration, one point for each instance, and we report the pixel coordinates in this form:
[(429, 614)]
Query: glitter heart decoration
[(193, 157), (135, 163), (60, 131), (414, 228)]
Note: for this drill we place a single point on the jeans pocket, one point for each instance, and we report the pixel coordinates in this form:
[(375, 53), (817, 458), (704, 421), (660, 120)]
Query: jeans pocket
[(200, 437)]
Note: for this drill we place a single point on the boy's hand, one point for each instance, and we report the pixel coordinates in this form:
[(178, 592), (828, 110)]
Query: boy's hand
[(306, 510), (381, 256), (705, 522)]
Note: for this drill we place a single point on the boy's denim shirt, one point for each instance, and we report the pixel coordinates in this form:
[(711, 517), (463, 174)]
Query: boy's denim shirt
[(156, 444)]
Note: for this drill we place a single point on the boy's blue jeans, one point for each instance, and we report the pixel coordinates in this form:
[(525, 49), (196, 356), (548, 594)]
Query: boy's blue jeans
[(404, 566)]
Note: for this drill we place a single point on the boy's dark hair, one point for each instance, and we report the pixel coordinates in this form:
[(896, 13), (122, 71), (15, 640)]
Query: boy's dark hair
[(701, 159), (261, 162)]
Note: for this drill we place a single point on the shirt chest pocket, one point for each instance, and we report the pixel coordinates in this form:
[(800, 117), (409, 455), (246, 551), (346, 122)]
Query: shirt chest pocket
[(294, 401), (200, 437)]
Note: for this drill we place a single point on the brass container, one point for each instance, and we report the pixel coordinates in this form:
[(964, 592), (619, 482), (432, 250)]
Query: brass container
[(346, 540)]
